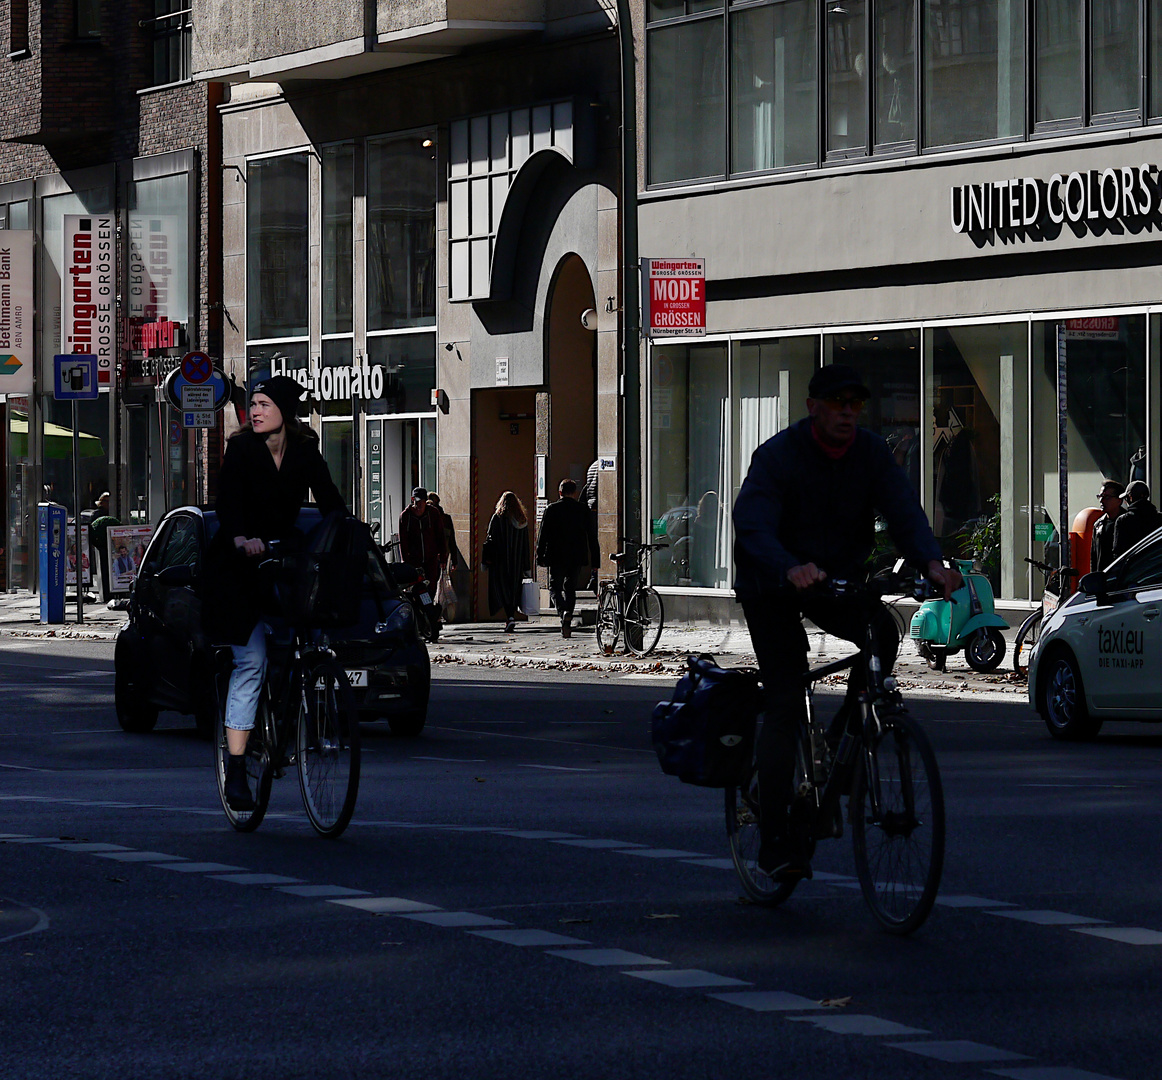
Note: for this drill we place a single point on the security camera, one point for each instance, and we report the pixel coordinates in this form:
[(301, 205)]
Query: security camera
[(589, 319)]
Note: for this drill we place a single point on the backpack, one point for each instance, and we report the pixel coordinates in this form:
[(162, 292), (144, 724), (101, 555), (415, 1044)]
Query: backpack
[(705, 734), (322, 586)]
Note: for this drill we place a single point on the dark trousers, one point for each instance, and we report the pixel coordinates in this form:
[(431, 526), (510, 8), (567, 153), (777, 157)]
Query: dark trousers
[(780, 645), (563, 589)]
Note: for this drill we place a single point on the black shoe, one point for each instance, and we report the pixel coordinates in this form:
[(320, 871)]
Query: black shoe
[(779, 861), (238, 795)]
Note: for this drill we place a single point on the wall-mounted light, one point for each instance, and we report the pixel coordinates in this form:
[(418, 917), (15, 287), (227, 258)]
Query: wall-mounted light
[(589, 319), (241, 175), (426, 143)]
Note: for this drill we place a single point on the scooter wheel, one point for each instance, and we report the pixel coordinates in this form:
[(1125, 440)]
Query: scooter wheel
[(937, 661), (985, 650)]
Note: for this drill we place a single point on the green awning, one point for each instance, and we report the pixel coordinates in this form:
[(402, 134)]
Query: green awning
[(58, 441)]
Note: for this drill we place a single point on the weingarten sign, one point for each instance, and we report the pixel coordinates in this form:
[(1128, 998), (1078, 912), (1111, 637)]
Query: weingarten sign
[(1114, 200), (89, 290)]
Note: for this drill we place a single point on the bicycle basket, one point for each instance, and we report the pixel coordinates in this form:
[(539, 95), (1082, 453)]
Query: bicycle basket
[(323, 585), (705, 734)]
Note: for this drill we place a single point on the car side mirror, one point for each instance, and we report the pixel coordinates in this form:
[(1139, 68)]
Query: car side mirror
[(176, 577), (1095, 584)]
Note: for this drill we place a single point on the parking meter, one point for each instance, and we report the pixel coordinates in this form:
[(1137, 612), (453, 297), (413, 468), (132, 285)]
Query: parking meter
[(51, 522)]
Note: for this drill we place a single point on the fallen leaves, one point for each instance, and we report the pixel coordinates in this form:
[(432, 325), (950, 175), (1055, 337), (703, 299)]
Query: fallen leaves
[(836, 1003)]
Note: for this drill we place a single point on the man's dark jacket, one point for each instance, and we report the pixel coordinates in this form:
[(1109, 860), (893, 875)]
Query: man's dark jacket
[(1101, 545), (798, 505), (422, 543), (1134, 523), (566, 536)]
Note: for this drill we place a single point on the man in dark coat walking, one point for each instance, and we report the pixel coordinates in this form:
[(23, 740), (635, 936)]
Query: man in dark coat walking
[(1138, 520), (422, 544), (1101, 545), (565, 544)]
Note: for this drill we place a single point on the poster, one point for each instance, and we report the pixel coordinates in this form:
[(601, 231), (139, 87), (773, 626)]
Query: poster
[(127, 544), (88, 290), (16, 307), (71, 556)]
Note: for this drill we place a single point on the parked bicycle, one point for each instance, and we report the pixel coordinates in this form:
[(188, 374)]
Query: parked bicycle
[(1051, 597), (306, 718), (629, 608), (877, 754), (413, 588)]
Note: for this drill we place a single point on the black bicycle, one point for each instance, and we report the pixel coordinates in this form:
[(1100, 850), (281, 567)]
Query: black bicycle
[(630, 608), (1030, 631), (306, 718), (874, 752)]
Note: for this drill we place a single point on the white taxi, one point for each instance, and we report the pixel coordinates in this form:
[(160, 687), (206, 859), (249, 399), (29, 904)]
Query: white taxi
[(1099, 654)]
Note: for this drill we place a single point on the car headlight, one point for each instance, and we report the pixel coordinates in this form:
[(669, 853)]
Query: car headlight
[(398, 622)]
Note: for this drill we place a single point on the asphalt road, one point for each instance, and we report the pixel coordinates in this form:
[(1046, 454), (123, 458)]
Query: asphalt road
[(522, 893)]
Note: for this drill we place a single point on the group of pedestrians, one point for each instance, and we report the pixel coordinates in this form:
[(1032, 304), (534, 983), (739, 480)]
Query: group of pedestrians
[(1121, 526)]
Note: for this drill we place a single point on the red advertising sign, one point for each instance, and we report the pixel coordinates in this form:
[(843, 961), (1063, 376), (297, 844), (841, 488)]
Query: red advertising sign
[(674, 297), (1100, 328), (89, 289)]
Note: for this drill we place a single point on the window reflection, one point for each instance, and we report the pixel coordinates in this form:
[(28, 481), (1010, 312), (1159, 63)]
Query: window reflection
[(846, 71), (1058, 60), (1116, 68), (895, 72)]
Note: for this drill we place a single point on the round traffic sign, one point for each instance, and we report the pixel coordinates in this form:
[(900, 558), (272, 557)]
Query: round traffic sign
[(197, 367)]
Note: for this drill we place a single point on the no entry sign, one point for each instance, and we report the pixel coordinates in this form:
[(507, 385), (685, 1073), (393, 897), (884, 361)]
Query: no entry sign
[(674, 297)]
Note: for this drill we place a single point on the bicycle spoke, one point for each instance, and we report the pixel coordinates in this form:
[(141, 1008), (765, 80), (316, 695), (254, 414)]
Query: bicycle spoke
[(327, 749)]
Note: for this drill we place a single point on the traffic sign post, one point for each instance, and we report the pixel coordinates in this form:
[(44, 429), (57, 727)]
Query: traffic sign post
[(198, 406), (197, 367)]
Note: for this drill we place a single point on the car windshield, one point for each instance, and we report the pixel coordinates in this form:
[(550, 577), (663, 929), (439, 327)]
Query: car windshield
[(1139, 569)]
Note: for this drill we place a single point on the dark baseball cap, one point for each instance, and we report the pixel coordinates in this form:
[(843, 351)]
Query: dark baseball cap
[(1136, 490), (419, 493), (834, 379)]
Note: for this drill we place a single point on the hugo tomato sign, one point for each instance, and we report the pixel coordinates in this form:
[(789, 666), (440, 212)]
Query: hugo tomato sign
[(675, 296)]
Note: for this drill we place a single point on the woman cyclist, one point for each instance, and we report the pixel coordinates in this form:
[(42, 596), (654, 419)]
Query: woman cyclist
[(268, 468)]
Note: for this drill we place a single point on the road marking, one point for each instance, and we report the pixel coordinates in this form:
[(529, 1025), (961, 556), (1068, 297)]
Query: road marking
[(456, 760), (534, 834), (842, 1024), (456, 919), (93, 847), (959, 1051), (526, 938), (662, 853), (686, 978), (767, 1001), (554, 768), (599, 843), (954, 901), (139, 856), (1046, 918), (200, 867), (47, 840), (42, 922), (718, 864), (321, 892), (385, 905), (23, 768), (1128, 935), (257, 879), (604, 957), (1050, 1072)]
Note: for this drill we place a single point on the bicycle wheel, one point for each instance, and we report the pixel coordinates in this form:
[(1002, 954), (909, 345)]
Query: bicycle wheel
[(897, 825), (643, 621), (608, 621), (742, 830), (327, 747), (1026, 640), (259, 773)]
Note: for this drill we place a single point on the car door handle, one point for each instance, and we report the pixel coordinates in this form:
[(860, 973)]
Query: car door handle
[(1150, 613)]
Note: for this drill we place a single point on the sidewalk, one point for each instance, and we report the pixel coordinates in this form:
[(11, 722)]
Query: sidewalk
[(537, 645)]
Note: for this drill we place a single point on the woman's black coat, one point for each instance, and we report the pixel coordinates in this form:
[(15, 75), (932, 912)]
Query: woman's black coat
[(257, 500)]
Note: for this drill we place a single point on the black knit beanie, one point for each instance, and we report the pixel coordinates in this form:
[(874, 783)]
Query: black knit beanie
[(284, 391)]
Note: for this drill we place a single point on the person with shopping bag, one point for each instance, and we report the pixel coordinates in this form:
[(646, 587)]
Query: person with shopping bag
[(506, 557), (565, 544), (423, 546)]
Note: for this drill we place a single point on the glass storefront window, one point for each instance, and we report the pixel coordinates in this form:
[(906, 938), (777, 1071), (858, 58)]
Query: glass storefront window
[(159, 261), (1154, 56), (689, 387), (974, 71), (337, 353), (276, 247), (338, 244), (686, 110), (846, 77), (772, 58), (1058, 90), (408, 364), (281, 358), (1115, 67), (18, 215), (895, 72), (401, 233)]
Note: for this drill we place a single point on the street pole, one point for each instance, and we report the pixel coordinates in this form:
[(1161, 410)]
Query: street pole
[(77, 516), (631, 464), (1062, 447)]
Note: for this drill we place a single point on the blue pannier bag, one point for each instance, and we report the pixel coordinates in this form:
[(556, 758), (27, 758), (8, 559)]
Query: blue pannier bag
[(705, 734)]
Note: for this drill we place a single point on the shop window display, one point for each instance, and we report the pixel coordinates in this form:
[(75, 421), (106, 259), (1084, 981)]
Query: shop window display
[(276, 247)]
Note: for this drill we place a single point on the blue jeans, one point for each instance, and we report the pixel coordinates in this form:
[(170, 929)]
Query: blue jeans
[(246, 679)]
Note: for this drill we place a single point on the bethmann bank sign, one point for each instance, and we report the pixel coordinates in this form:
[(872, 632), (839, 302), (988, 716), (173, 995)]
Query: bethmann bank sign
[(1097, 200)]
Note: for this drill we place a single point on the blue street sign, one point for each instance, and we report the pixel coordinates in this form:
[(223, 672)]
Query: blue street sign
[(74, 377)]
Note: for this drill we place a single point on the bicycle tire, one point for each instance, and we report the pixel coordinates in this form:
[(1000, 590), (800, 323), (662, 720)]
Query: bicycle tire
[(899, 852), (1026, 640), (742, 831), (608, 621), (327, 747), (259, 772), (644, 616)]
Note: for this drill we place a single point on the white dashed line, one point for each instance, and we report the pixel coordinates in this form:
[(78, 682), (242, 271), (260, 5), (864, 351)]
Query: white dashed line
[(1127, 935), (600, 844), (604, 957), (201, 867), (662, 853), (687, 978), (842, 1024), (767, 1001), (525, 938), (1050, 1072), (959, 1051), (1046, 918), (718, 864), (93, 847), (455, 760), (321, 892), (386, 905), (455, 919), (954, 901), (256, 879), (139, 856), (534, 834), (553, 768)]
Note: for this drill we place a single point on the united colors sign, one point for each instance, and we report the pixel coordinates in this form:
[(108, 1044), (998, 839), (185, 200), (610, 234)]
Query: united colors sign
[(16, 305), (89, 290), (674, 297)]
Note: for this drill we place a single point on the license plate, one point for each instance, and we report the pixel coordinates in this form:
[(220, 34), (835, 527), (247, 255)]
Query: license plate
[(1049, 604), (357, 678), (425, 599)]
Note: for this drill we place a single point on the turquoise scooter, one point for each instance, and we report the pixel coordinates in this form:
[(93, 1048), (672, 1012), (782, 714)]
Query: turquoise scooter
[(969, 623)]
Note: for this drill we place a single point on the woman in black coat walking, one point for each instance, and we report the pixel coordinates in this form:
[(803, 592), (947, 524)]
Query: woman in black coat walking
[(267, 470), (506, 555)]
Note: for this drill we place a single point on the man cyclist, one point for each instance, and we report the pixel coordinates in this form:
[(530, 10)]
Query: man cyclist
[(806, 513)]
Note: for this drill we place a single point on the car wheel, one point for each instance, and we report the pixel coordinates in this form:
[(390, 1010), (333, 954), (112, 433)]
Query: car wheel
[(408, 724), (1061, 699), (133, 712), (985, 650)]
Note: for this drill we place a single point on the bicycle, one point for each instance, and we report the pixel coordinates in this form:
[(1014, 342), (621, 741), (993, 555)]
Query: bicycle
[(1030, 629), (306, 718), (629, 608), (877, 754)]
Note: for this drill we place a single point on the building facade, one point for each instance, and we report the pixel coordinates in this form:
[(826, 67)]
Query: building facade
[(419, 205), (960, 197), (105, 141)]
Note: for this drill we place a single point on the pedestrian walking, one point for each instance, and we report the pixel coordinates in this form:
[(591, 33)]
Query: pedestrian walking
[(506, 556), (1101, 545), (454, 556), (565, 544), (1138, 519), (422, 545)]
